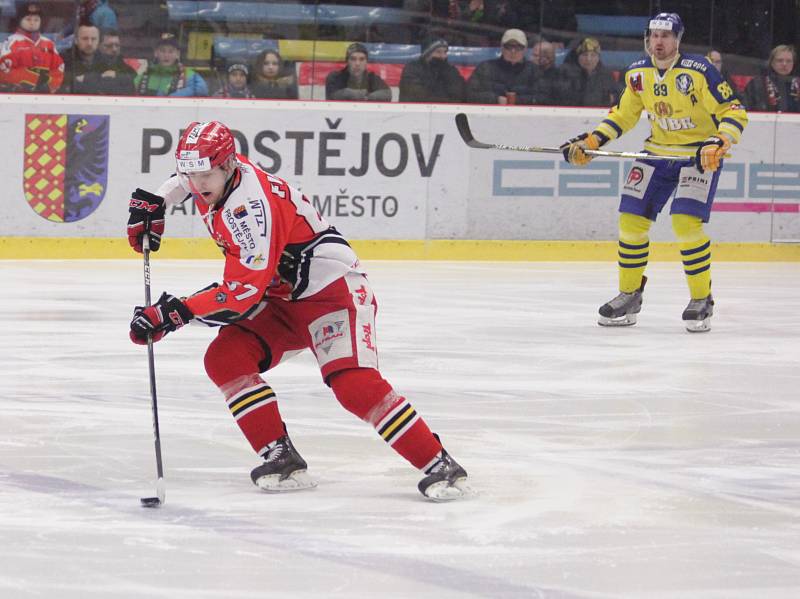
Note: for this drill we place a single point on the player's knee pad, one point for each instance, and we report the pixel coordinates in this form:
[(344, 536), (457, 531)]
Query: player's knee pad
[(235, 353), (362, 391), (633, 228), (687, 228)]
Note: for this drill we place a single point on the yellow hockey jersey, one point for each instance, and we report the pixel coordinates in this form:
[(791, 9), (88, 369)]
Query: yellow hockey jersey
[(685, 105)]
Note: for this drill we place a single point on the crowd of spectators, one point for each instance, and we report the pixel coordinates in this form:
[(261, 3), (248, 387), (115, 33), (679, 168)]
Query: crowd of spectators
[(525, 71)]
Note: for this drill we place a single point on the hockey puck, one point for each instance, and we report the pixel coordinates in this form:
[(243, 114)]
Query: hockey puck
[(150, 502)]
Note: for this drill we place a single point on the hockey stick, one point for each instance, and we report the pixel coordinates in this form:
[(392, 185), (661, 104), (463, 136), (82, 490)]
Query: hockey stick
[(466, 134), (160, 490)]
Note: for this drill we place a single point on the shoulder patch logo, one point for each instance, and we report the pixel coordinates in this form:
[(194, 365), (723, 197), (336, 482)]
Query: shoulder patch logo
[(636, 82), (684, 83), (65, 169)]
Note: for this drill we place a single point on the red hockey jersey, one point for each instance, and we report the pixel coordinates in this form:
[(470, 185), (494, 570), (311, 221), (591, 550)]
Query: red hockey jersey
[(26, 63), (276, 246)]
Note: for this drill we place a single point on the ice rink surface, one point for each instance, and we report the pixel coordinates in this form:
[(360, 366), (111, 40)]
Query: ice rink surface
[(641, 462)]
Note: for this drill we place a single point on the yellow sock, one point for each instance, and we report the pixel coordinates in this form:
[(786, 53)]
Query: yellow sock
[(634, 248), (695, 253)]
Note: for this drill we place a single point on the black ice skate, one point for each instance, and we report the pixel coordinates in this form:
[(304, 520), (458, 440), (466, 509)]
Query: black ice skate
[(622, 310), (445, 480), (283, 469), (697, 315)]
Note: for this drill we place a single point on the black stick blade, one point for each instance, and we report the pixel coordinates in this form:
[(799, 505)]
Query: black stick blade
[(462, 123), (150, 502)]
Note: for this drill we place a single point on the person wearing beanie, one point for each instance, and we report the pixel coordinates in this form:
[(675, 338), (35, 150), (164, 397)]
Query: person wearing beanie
[(588, 82), (166, 76), (236, 83), (431, 78), (355, 82), (28, 60), (509, 79)]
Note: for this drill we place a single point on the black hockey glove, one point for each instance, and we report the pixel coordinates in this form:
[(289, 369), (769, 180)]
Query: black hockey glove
[(146, 216), (166, 315)]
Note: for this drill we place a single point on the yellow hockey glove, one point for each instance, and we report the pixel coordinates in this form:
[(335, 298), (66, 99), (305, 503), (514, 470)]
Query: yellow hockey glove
[(573, 149), (711, 151)]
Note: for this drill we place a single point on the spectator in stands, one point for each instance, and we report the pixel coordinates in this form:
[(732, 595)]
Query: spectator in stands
[(715, 58), (777, 89), (551, 79), (82, 66), (166, 76), (510, 79), (587, 81), (96, 12), (28, 60), (117, 76), (235, 85), (355, 82), (495, 13), (272, 78), (431, 78), (99, 13)]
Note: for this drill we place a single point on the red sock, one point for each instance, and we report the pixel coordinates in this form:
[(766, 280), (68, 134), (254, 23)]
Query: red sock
[(232, 363), (366, 394)]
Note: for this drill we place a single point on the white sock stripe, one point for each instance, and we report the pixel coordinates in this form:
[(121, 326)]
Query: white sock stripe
[(392, 413), (259, 404), (398, 434), (430, 464), (246, 391)]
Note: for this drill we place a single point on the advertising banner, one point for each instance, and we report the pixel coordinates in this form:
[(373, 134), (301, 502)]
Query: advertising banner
[(375, 171)]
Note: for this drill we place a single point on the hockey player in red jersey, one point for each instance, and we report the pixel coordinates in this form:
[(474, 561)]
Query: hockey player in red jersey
[(290, 282), (28, 60)]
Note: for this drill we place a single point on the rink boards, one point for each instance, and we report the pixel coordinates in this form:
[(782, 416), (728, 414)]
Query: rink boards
[(396, 179)]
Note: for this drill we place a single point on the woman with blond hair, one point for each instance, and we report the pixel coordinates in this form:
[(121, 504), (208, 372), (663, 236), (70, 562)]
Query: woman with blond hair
[(272, 78), (778, 88)]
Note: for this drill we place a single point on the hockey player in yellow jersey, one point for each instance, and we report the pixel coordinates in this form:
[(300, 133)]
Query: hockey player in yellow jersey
[(693, 112)]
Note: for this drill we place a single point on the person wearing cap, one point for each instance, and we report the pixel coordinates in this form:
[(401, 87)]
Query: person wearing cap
[(588, 82), (431, 78), (355, 81), (28, 60), (509, 79), (235, 85), (166, 76), (694, 116), (274, 78)]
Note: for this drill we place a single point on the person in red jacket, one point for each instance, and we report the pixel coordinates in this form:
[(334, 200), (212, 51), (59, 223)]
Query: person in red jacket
[(290, 282), (28, 60)]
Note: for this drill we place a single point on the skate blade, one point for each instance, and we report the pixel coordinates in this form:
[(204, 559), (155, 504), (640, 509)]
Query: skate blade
[(698, 326), (622, 321), (443, 491), (298, 480)]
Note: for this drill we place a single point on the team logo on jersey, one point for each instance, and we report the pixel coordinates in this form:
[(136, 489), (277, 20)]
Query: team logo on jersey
[(65, 170), (637, 83), (663, 109), (240, 212), (327, 334), (684, 83)]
